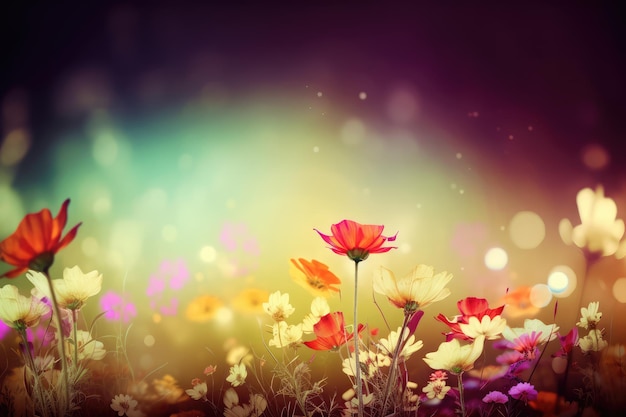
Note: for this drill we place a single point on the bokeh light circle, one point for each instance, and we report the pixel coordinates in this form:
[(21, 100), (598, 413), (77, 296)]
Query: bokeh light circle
[(619, 290), (527, 230), (224, 315), (496, 259), (149, 340), (562, 281), (540, 295), (559, 364)]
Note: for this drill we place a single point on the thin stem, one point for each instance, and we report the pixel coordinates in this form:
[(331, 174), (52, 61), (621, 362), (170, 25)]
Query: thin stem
[(394, 360), (74, 320), (461, 394), (61, 344), (39, 402), (359, 383)]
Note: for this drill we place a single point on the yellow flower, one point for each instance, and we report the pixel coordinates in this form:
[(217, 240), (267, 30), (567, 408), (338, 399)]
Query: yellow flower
[(599, 232), (418, 289), (250, 300), (203, 308), (453, 357), (409, 347), (73, 290), (18, 311), (285, 335)]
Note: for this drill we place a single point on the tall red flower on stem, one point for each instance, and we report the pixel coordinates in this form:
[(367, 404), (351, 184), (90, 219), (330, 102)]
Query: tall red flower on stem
[(35, 241), (331, 332), (356, 240)]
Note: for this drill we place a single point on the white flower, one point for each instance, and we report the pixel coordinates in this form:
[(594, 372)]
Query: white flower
[(285, 335), (278, 306), (198, 392), (599, 232), (18, 311), (319, 308), (590, 316), (411, 346), (489, 327), (125, 405), (593, 342), (231, 398), (548, 331), (366, 358), (453, 357), (436, 389), (237, 375)]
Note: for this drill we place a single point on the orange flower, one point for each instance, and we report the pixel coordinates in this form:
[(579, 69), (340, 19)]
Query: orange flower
[(331, 332), (35, 241), (356, 240), (314, 276)]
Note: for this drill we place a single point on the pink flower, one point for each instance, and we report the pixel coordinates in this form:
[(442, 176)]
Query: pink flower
[(495, 397), (523, 392), (568, 342)]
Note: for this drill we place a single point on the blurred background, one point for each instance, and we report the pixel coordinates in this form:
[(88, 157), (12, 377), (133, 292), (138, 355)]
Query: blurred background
[(201, 145)]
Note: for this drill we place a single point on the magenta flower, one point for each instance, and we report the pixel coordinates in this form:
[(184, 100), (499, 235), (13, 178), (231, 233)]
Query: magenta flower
[(495, 397), (523, 392)]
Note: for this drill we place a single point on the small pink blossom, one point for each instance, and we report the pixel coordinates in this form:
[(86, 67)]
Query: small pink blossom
[(523, 392), (495, 397)]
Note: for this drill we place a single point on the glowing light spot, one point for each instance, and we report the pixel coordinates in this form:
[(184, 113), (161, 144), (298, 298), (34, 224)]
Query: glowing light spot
[(530, 128), (157, 318), (319, 94), (496, 259), (402, 106), (224, 315), (149, 340), (169, 233), (453, 186), (418, 205), (619, 290), (362, 96), (14, 147), (146, 362), (527, 230), (316, 149), (105, 148), (353, 132), (208, 254), (459, 155), (101, 206), (562, 281), (90, 246), (540, 295), (595, 157), (559, 364), (511, 137), (461, 191), (404, 248)]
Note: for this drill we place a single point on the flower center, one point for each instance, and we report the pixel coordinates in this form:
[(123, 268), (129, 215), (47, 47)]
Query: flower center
[(358, 254), (42, 262)]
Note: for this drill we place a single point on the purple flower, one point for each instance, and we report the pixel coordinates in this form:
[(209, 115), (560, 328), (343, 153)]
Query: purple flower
[(495, 397), (523, 392)]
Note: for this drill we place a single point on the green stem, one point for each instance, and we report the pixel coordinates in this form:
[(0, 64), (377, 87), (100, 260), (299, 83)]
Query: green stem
[(359, 383), (39, 402), (61, 344), (394, 360), (75, 329), (461, 394)]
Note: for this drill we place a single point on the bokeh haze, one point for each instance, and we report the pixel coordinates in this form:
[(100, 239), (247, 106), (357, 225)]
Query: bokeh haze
[(201, 146)]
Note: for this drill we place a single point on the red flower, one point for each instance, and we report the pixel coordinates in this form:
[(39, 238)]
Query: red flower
[(356, 240), (331, 332), (567, 342), (469, 307), (35, 241)]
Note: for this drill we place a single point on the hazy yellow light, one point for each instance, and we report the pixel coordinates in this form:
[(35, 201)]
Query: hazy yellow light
[(562, 281), (90, 246), (208, 254), (224, 315), (540, 295), (149, 340), (353, 132), (14, 147), (619, 290), (169, 233), (527, 230), (101, 206), (496, 259)]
